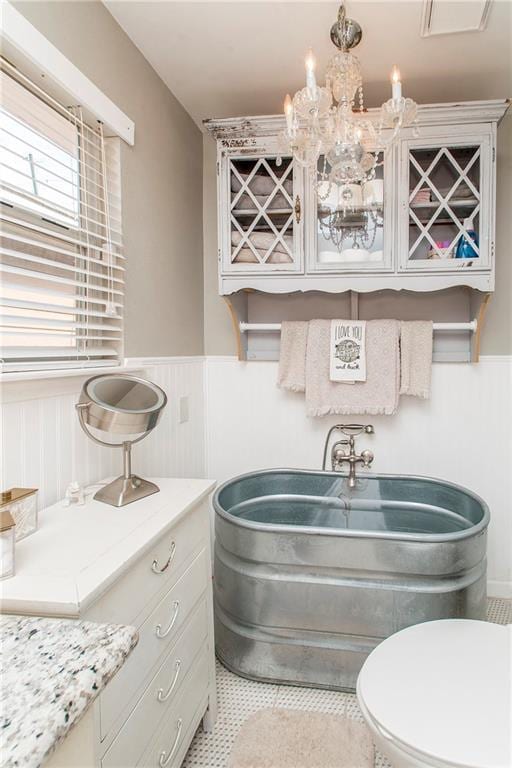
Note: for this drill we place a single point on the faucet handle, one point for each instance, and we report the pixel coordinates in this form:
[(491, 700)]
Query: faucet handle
[(367, 457)]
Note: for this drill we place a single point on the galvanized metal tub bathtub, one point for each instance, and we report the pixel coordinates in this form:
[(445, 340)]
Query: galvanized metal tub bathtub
[(310, 575)]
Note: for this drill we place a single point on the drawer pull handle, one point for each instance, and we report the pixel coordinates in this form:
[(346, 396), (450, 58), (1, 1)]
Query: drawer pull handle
[(165, 758), (176, 609), (154, 564), (161, 696)]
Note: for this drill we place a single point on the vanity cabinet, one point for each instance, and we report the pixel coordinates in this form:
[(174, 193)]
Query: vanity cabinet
[(148, 565), (433, 194)]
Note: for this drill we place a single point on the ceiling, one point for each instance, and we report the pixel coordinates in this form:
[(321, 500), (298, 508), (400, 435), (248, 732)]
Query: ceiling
[(223, 59)]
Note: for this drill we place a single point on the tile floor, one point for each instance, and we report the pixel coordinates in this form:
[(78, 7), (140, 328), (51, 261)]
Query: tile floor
[(239, 698)]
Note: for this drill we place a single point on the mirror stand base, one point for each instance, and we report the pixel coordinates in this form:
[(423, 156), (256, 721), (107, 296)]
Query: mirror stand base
[(124, 490)]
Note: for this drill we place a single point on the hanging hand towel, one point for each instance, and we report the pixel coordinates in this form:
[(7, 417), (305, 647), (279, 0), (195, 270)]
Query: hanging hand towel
[(378, 394), (292, 356), (347, 351), (416, 358)]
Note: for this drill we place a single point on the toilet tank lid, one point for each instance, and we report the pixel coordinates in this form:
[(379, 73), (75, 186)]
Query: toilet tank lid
[(444, 689)]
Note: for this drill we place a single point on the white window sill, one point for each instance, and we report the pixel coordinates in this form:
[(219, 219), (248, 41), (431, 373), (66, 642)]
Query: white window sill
[(65, 373)]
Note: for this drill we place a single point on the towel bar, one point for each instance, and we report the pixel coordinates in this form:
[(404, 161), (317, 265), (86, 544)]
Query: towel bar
[(469, 326)]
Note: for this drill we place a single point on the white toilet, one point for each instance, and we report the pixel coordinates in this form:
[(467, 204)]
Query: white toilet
[(439, 695)]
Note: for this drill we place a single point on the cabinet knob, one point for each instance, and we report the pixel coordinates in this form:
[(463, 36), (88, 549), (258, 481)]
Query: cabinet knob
[(297, 209)]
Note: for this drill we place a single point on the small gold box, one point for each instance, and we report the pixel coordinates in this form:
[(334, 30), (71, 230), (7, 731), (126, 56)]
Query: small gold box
[(22, 504)]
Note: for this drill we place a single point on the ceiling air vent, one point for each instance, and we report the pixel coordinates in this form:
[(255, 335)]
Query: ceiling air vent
[(444, 17)]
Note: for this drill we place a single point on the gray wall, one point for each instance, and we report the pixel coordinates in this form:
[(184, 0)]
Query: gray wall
[(497, 333), (218, 331), (161, 179)]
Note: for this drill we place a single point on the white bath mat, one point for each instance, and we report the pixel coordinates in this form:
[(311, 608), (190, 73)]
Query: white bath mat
[(287, 738)]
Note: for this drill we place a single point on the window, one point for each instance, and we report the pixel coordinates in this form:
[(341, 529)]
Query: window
[(61, 260)]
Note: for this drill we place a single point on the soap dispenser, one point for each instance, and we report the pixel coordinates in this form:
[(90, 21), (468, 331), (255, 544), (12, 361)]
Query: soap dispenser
[(465, 249)]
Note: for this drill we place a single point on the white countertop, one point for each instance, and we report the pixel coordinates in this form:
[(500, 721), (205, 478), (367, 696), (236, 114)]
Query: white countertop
[(52, 670), (54, 576)]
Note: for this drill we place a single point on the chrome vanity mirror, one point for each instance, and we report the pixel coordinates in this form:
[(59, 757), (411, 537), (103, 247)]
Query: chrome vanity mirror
[(123, 405)]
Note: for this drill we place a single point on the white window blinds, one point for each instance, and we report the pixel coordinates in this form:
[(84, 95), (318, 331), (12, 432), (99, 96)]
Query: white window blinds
[(61, 256)]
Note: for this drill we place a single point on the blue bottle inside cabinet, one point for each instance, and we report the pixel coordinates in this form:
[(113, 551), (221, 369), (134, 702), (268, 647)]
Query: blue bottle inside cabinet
[(465, 249)]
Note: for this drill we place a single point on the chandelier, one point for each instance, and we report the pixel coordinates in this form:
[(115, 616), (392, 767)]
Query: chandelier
[(328, 130), (349, 228)]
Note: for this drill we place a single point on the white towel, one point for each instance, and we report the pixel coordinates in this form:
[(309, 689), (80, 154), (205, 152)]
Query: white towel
[(378, 394), (247, 256), (262, 241), (246, 203), (421, 196), (347, 353), (292, 356), (416, 342), (260, 184)]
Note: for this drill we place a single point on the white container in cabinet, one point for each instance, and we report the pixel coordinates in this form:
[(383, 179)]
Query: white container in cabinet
[(147, 564)]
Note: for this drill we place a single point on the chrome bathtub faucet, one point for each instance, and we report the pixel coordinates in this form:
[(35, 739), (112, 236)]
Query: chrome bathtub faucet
[(341, 456)]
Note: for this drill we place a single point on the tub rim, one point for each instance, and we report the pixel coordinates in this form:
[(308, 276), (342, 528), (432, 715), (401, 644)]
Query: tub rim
[(424, 538)]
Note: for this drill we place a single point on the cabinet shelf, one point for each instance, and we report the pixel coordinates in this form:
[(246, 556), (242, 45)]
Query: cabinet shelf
[(269, 212), (437, 222), (467, 202)]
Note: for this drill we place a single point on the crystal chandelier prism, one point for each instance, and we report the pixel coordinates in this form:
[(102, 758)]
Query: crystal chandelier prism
[(329, 123)]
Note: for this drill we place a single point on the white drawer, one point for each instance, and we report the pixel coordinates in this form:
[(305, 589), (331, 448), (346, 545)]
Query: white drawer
[(166, 750), (134, 595), (156, 637), (139, 730)]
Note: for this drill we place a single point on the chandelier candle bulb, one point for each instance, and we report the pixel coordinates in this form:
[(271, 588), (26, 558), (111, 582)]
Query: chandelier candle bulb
[(310, 72), (288, 111), (396, 85)]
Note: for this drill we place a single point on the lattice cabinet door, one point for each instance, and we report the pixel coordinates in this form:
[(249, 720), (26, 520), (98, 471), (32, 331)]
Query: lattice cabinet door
[(261, 214), (446, 208)]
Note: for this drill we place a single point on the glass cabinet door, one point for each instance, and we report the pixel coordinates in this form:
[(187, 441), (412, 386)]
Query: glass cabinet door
[(348, 223), (445, 210), (264, 216)]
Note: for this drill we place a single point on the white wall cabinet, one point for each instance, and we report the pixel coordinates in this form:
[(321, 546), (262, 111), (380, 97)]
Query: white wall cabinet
[(438, 195)]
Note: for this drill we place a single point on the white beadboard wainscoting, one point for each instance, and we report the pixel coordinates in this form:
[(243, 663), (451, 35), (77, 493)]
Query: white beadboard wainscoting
[(43, 446), (176, 449), (238, 421), (463, 434)]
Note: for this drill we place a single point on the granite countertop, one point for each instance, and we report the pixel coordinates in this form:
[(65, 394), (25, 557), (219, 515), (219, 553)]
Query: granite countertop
[(52, 670)]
